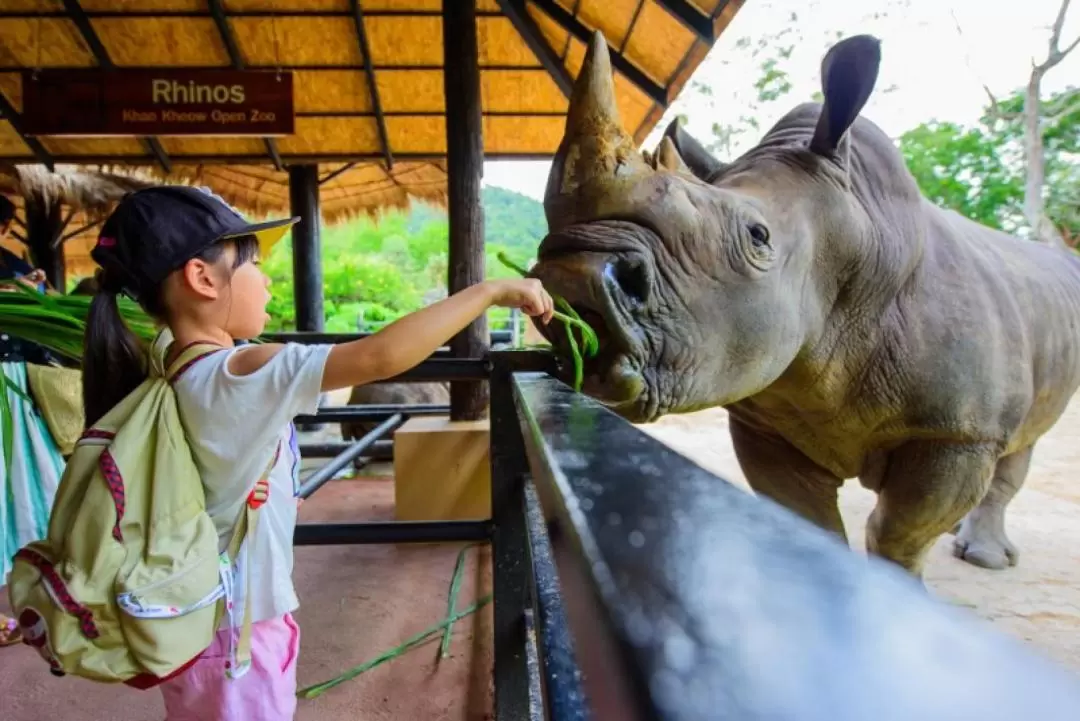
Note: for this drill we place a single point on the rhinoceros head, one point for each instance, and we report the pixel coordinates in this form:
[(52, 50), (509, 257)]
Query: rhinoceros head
[(704, 280)]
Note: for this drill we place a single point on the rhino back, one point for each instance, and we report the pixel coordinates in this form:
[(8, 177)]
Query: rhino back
[(1000, 341)]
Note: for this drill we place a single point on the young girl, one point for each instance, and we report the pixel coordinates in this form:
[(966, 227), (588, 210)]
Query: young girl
[(191, 262)]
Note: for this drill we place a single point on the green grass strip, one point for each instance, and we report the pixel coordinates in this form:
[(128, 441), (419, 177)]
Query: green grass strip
[(451, 599), (402, 648), (570, 320)]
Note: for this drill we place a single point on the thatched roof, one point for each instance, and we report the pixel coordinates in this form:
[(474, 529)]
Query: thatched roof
[(529, 52), (346, 190), (87, 196)]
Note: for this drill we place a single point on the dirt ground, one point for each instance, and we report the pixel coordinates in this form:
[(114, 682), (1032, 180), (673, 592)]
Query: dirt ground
[(1038, 600)]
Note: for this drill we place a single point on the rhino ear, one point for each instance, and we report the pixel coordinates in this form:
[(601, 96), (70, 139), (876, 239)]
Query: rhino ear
[(697, 158), (848, 73)]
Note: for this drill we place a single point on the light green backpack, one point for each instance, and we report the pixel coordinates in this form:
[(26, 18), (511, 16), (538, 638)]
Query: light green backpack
[(129, 584)]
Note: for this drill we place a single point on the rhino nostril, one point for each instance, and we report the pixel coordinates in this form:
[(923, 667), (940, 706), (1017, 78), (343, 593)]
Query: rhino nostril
[(632, 278)]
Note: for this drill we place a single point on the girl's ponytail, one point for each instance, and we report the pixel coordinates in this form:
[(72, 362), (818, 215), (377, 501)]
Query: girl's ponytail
[(114, 361)]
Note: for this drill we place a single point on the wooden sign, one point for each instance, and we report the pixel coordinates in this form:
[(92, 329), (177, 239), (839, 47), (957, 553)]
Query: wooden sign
[(100, 103)]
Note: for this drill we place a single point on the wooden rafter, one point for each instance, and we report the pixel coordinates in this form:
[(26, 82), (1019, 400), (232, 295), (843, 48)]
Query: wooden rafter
[(33, 143), (217, 10), (530, 33), (656, 92), (696, 21), (78, 16), (373, 89)]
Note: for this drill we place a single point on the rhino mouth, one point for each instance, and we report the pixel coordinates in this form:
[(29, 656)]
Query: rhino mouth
[(585, 276)]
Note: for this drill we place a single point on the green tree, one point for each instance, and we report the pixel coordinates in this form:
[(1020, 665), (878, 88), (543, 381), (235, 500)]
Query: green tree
[(980, 171)]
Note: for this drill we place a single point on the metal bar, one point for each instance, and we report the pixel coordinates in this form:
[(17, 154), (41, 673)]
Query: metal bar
[(373, 89), (509, 473), (39, 151), (631, 72), (692, 599), (351, 534), (319, 478), (275, 155), (307, 253), (693, 19), (381, 450), (530, 33), (564, 694), (356, 414), (497, 336)]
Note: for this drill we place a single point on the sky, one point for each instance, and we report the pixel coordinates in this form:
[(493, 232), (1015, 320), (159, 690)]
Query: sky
[(931, 69)]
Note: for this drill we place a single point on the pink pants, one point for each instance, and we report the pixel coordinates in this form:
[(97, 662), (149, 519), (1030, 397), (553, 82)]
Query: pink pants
[(267, 692)]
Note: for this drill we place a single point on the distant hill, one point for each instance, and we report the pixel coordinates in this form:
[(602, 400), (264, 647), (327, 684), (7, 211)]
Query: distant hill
[(511, 219)]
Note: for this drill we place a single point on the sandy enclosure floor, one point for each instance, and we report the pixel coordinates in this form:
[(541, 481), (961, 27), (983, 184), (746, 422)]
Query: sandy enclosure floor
[(1038, 600)]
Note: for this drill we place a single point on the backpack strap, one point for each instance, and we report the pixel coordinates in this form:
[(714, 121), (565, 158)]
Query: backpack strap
[(187, 358), (245, 528)]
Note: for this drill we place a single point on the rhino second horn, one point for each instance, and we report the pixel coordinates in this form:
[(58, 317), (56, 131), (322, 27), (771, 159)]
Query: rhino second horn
[(667, 156)]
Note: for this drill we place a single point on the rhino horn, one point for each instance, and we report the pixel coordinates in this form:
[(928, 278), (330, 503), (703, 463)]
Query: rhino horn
[(667, 156), (596, 153)]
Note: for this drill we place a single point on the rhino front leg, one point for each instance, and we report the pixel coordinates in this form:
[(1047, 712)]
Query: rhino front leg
[(777, 469), (981, 540), (927, 488)]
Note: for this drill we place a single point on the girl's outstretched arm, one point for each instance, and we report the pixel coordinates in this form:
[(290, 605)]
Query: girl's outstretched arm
[(409, 340)]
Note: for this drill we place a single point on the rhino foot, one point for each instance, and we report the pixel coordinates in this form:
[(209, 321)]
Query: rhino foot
[(985, 549)]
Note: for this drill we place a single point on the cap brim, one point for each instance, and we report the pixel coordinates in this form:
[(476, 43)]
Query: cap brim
[(267, 234)]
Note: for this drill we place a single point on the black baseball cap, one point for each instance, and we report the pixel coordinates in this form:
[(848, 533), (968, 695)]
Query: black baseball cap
[(154, 231)]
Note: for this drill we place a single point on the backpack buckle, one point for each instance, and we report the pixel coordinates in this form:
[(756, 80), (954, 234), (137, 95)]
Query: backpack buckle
[(259, 494)]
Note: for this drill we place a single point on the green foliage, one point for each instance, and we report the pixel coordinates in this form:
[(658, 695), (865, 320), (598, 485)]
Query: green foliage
[(979, 171), (375, 272)]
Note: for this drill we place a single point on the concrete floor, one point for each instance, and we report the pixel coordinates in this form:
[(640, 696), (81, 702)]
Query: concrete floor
[(356, 602)]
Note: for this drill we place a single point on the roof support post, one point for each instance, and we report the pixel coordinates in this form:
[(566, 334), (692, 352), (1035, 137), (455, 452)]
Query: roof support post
[(465, 168), (373, 89), (306, 248), (656, 92), (530, 33), (44, 224)]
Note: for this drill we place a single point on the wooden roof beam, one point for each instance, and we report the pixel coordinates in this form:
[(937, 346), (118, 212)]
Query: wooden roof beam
[(78, 16), (656, 92), (693, 19), (33, 143), (373, 90), (217, 10), (530, 33), (330, 176)]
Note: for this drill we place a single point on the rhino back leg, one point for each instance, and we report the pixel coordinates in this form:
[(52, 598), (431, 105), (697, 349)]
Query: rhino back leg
[(981, 540), (928, 486), (776, 469)]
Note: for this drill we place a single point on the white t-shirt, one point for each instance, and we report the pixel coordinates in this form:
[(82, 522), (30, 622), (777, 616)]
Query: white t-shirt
[(233, 425)]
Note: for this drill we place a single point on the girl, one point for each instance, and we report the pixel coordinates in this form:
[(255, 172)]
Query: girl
[(191, 262)]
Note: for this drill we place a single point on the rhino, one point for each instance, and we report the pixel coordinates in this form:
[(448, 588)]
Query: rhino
[(851, 328)]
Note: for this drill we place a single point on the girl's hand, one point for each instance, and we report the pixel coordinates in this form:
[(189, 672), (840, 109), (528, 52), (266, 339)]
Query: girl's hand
[(527, 294)]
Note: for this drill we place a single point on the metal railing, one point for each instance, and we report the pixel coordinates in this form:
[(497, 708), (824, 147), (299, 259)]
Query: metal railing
[(630, 583)]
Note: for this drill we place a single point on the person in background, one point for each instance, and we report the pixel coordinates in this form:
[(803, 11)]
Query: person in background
[(28, 479)]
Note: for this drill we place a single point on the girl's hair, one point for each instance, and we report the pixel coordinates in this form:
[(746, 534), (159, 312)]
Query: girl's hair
[(114, 359)]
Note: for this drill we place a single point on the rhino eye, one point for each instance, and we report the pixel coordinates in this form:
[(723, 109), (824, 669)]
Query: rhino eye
[(759, 234)]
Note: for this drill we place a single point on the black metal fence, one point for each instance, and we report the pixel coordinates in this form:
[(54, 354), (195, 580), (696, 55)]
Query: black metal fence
[(630, 583)]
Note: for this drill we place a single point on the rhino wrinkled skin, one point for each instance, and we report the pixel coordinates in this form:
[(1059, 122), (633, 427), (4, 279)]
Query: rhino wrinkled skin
[(850, 327)]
